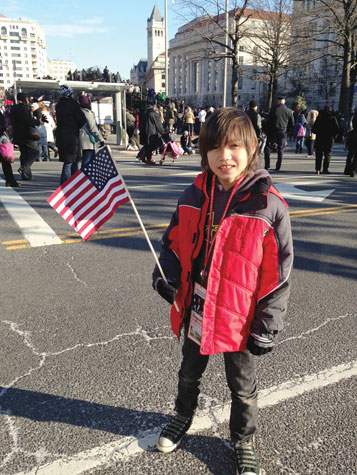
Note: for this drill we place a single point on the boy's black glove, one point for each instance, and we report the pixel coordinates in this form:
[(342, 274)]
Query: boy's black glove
[(167, 291), (101, 144), (260, 344), (44, 118)]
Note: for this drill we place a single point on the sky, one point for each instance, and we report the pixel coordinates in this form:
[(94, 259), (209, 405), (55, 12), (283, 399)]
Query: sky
[(93, 32)]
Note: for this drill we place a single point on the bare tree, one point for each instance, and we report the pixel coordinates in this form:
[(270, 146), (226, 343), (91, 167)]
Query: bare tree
[(336, 27), (271, 43), (211, 28), (326, 79)]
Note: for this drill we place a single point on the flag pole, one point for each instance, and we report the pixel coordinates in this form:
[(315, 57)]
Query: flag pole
[(144, 230)]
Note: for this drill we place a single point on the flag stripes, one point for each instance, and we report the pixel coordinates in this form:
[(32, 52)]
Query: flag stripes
[(90, 197)]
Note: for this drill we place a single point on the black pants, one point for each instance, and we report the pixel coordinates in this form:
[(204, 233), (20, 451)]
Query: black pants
[(7, 169), (322, 153), (240, 374), (27, 157), (351, 161), (280, 138), (309, 145)]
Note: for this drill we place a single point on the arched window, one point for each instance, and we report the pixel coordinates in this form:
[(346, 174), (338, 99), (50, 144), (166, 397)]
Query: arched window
[(24, 31), (3, 30)]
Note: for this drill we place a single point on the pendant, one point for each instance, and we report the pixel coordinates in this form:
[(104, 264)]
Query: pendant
[(203, 274)]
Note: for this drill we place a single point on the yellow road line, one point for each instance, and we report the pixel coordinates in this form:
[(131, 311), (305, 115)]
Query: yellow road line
[(316, 210), (136, 231), (18, 241)]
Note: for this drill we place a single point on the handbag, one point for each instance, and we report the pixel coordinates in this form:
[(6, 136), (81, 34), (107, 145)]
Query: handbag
[(92, 138), (7, 152), (33, 133)]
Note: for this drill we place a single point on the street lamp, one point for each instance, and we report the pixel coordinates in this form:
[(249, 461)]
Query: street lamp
[(166, 56), (225, 59)]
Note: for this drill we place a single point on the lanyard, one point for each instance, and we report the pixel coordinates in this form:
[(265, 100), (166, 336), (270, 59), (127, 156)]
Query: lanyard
[(209, 246)]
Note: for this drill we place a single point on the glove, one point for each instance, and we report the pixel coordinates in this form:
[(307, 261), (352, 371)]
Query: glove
[(44, 118), (166, 291), (259, 345), (101, 144)]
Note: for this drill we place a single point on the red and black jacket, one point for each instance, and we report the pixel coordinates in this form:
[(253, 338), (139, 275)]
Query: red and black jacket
[(248, 279)]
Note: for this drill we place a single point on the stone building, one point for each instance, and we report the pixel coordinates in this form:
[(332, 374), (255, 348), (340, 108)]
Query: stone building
[(197, 78), (138, 72), (59, 69), (321, 77), (155, 63)]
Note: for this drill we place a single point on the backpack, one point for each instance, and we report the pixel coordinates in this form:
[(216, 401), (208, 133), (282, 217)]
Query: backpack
[(301, 131)]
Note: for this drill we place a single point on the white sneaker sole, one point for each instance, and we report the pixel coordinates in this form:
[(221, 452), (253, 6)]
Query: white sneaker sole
[(166, 449)]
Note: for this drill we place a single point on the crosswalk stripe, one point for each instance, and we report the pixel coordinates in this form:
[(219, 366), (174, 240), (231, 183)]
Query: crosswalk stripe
[(36, 231)]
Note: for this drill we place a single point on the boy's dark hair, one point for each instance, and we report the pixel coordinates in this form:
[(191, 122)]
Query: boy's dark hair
[(229, 124)]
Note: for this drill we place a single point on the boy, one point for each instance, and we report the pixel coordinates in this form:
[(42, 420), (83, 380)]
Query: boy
[(227, 256)]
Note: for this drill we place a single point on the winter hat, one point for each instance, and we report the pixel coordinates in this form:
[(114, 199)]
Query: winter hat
[(84, 101), (35, 106), (252, 104), (65, 91), (21, 96)]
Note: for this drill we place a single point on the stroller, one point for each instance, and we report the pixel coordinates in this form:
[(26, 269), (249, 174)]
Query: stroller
[(172, 150)]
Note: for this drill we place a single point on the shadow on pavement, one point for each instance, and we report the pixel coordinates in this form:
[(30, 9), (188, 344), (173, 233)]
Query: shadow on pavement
[(42, 407)]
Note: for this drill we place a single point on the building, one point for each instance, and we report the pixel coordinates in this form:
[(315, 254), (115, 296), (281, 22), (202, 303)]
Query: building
[(321, 76), (138, 72), (197, 77), (59, 69), (22, 51), (150, 72), (155, 73)]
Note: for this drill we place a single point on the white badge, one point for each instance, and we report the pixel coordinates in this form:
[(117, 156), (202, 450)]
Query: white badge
[(195, 327)]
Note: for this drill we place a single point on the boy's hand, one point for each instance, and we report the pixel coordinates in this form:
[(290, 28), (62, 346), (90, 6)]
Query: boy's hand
[(167, 291), (260, 345)]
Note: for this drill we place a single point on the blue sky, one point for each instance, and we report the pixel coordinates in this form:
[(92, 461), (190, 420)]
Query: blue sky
[(92, 32)]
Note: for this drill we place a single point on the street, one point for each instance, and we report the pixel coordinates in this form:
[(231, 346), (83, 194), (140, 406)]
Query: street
[(89, 364)]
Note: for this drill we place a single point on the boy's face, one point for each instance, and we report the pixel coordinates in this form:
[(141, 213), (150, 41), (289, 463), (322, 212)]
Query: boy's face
[(228, 163)]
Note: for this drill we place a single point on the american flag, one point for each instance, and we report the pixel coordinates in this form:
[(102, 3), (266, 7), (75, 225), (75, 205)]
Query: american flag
[(90, 197)]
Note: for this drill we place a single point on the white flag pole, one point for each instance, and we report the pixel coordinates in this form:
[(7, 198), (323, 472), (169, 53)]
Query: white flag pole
[(143, 228)]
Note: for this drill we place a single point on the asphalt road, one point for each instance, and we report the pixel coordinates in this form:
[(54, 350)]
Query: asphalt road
[(89, 365)]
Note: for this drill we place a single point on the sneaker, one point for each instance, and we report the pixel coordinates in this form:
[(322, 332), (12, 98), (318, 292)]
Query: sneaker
[(171, 435), (247, 462)]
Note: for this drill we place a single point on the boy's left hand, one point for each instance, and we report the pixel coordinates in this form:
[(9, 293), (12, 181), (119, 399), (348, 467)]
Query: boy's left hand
[(259, 345)]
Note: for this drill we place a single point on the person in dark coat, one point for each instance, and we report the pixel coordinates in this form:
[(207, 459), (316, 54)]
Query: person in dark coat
[(22, 120), (6, 165), (280, 120), (351, 161), (154, 131), (255, 118), (326, 128), (70, 119)]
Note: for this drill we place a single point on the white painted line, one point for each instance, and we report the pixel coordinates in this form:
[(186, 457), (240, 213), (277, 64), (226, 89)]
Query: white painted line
[(32, 226), (130, 446), (292, 192)]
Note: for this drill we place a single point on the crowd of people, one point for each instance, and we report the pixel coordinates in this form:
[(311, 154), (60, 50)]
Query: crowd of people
[(69, 130)]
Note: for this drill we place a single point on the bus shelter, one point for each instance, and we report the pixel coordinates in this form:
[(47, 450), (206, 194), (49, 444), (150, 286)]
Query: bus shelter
[(116, 90)]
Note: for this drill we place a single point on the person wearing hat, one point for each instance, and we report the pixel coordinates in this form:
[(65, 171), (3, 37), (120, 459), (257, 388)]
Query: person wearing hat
[(70, 119), (279, 121), (255, 118), (22, 121), (90, 137)]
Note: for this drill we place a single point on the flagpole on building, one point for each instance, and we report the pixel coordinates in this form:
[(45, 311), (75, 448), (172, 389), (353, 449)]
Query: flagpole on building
[(144, 230), (166, 56)]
